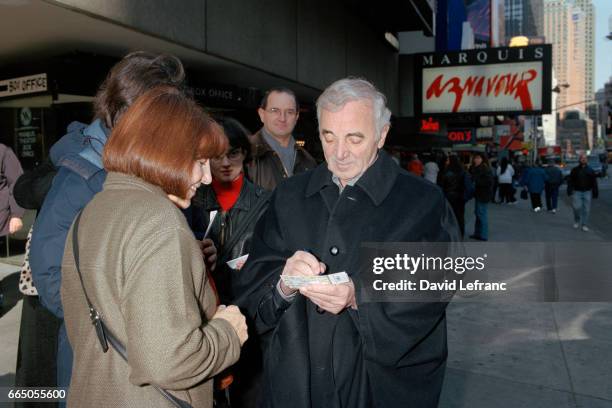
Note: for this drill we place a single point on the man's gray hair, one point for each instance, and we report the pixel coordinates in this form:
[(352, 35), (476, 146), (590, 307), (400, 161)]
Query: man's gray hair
[(352, 89)]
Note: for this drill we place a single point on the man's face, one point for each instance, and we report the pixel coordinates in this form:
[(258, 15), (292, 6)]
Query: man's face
[(349, 139), (583, 159), (280, 116)]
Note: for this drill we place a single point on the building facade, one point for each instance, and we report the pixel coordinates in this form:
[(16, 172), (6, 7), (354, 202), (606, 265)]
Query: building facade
[(569, 26), (523, 18), (60, 51)]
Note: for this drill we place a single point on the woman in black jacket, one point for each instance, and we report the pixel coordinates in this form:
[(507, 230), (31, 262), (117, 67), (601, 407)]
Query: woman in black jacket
[(452, 182), (482, 177), (229, 209)]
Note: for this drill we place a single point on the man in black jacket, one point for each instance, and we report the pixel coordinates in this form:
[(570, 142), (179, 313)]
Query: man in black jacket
[(582, 185), (328, 346)]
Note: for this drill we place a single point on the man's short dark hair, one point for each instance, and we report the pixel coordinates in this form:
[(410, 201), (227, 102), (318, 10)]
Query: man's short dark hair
[(131, 77), (264, 100)]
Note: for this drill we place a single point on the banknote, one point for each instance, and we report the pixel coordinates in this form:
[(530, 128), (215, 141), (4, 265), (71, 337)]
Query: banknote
[(296, 282), (237, 263)]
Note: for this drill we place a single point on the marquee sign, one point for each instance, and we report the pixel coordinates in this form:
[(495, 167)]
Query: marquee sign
[(490, 81), (23, 85)]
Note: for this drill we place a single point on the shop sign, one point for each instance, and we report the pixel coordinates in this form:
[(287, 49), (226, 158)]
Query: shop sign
[(430, 125), (491, 81), (484, 133), (460, 135), (27, 134), (23, 85)]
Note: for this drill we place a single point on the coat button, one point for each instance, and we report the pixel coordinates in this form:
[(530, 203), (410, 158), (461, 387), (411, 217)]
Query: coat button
[(334, 250)]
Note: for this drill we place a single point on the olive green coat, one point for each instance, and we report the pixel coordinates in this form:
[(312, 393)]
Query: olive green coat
[(144, 272)]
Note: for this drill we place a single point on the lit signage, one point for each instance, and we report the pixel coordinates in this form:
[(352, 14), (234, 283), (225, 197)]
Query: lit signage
[(509, 80), (460, 136), (430, 125)]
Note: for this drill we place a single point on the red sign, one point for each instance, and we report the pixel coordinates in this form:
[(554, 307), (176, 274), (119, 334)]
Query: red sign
[(549, 151), (460, 136), (430, 125), (505, 80), (475, 88)]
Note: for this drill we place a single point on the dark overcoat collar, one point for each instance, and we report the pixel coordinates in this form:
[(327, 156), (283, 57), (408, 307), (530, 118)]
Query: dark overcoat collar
[(377, 181)]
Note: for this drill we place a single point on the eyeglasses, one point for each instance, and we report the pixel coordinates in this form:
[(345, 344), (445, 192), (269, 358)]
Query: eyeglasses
[(233, 155), (278, 112)]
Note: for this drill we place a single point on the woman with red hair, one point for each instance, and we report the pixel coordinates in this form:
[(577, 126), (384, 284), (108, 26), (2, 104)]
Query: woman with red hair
[(139, 266)]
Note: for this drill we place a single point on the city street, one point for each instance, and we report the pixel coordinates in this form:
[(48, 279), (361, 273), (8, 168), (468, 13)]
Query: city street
[(544, 355), (541, 355)]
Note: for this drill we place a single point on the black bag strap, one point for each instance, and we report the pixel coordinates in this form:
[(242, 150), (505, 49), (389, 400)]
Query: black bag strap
[(105, 335)]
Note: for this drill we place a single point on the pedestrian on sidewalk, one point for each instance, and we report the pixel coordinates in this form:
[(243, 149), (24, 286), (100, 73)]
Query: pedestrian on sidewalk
[(78, 158), (415, 165), (233, 204), (431, 169), (493, 165), (554, 179), (11, 213), (152, 290), (483, 193), (37, 349), (582, 185), (534, 179), (452, 182), (505, 172)]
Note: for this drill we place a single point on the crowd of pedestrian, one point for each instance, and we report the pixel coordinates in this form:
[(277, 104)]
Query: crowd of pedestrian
[(499, 181)]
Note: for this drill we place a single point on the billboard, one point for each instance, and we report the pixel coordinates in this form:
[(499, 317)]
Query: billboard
[(491, 81)]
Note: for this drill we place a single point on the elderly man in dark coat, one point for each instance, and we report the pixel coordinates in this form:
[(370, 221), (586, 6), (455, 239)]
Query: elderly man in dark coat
[(327, 346)]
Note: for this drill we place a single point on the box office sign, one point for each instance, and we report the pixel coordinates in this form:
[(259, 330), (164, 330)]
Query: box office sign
[(491, 81), (23, 85)]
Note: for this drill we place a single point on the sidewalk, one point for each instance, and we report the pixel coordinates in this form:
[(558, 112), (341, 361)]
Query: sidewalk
[(540, 355)]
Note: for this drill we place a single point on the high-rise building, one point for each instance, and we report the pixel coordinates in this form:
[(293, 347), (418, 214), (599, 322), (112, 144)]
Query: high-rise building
[(559, 30), (588, 14), (523, 18), (569, 26)]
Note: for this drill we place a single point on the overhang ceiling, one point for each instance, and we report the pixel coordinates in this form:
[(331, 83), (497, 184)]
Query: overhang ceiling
[(33, 30)]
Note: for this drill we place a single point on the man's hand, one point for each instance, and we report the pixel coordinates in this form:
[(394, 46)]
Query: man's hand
[(301, 264), (331, 298), (15, 224), (209, 251)]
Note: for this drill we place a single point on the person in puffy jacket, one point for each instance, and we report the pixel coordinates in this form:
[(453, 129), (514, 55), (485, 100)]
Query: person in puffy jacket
[(534, 179), (80, 175)]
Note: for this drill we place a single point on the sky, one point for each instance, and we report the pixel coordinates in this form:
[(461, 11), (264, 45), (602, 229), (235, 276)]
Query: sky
[(603, 46)]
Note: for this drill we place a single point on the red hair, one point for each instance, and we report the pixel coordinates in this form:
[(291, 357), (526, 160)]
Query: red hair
[(159, 138)]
